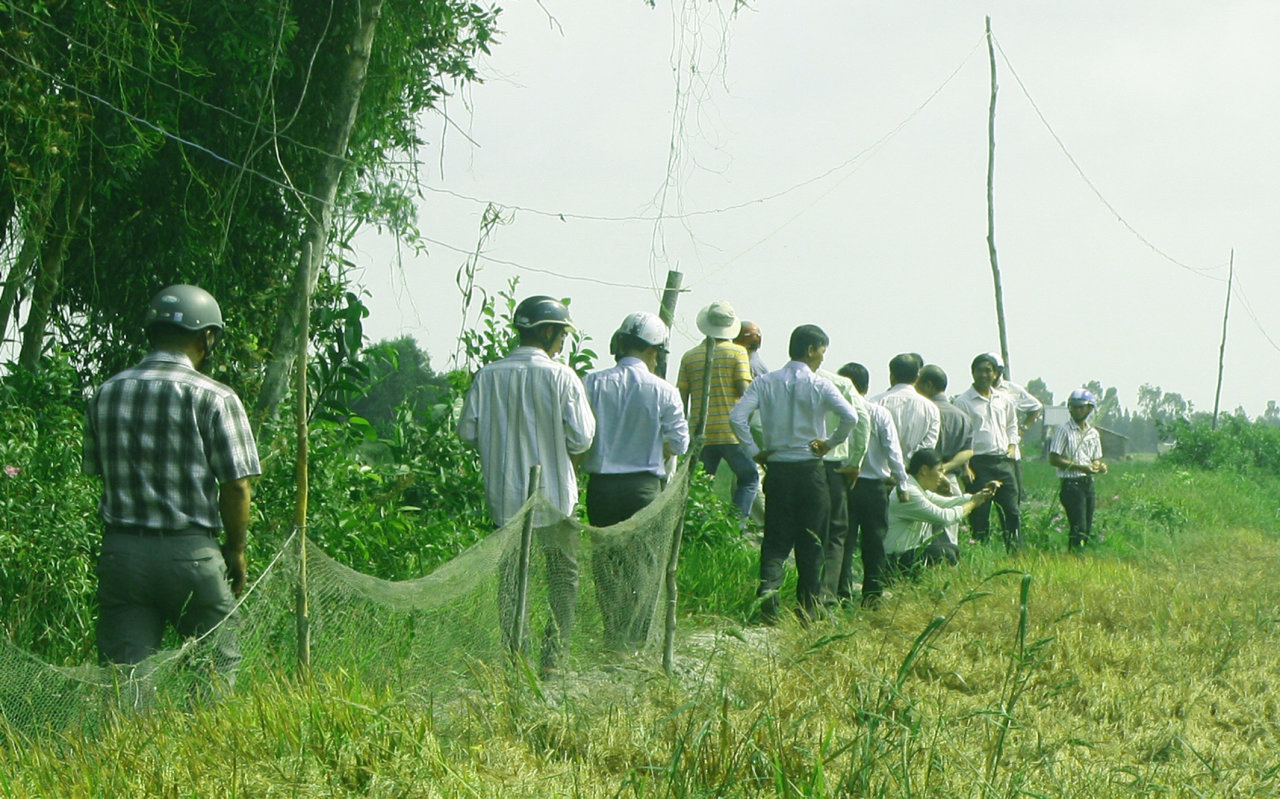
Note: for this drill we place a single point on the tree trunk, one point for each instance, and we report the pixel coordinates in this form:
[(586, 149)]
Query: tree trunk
[(320, 212), (66, 216)]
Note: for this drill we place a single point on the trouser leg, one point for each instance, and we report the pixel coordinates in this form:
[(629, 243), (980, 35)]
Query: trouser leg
[(622, 569), (870, 506), (748, 479), (837, 531), (1077, 502), (198, 599), (560, 547)]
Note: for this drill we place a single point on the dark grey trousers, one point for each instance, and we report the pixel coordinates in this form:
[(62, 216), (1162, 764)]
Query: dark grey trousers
[(146, 582)]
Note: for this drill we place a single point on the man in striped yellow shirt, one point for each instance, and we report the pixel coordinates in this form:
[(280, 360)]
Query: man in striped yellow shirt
[(730, 376)]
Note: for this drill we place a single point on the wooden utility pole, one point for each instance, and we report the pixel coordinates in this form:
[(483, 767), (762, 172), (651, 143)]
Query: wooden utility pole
[(991, 214), (667, 313), (1222, 350)]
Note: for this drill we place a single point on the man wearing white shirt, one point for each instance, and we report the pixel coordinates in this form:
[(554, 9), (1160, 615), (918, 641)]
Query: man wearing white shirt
[(914, 414), (914, 539), (994, 422), (528, 409), (881, 471), (793, 403), (639, 424)]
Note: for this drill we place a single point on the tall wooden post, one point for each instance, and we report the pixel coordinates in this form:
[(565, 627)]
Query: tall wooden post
[(991, 213), (302, 608), (1222, 351), (667, 313), (673, 557)]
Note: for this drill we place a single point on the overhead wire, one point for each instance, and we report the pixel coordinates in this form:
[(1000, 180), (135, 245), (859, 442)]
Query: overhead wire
[(1201, 271), (1204, 272)]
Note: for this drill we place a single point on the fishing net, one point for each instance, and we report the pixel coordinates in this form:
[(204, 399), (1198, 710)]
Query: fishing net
[(592, 593)]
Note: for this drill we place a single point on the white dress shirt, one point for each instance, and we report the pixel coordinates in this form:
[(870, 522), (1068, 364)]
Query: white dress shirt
[(994, 421), (1025, 402), (523, 410), (793, 403), (636, 412), (884, 456), (854, 448), (915, 415), (911, 522)]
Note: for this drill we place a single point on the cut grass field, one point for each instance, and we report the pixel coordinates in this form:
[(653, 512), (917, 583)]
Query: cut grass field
[(1148, 667)]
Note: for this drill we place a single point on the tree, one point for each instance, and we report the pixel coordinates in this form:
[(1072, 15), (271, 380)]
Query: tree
[(147, 144)]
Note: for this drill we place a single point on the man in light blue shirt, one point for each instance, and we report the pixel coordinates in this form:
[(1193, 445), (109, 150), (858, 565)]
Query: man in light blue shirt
[(639, 424), (793, 403)]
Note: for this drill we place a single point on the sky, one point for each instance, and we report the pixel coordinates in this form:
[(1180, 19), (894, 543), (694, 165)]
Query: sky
[(826, 163)]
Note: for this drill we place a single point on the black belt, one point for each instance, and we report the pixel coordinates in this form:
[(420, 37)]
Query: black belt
[(156, 532), (1084, 478)]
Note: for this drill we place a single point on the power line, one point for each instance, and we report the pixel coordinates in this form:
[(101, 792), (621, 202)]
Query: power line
[(1202, 272), (539, 270)]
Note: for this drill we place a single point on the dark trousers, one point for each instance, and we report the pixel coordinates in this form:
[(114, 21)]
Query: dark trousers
[(795, 518), (997, 467), (743, 468), (623, 570), (837, 530), (1077, 499), (909, 564), (868, 522), (146, 582)]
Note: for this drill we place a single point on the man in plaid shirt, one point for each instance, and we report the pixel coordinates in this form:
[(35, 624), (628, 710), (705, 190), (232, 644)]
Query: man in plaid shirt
[(175, 453)]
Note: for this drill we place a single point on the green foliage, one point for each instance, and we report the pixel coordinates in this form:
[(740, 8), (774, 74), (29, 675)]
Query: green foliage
[(49, 530), (1237, 444)]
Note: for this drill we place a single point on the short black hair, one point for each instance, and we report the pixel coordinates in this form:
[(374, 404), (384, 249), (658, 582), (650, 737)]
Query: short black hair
[(904, 368), (804, 337), (934, 376), (858, 374), (922, 458), (623, 343), (989, 358)]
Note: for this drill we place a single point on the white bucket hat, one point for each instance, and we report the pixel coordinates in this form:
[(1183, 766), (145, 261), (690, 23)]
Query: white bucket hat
[(719, 320)]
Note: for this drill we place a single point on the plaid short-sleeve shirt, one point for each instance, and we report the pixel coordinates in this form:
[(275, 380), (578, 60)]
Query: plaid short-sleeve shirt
[(163, 436)]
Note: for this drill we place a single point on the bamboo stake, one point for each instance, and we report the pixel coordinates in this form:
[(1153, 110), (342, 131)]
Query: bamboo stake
[(302, 607), (1222, 351), (522, 575), (673, 557)]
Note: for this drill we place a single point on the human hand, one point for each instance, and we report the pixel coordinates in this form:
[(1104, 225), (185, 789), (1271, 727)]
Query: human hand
[(237, 568), (992, 487), (819, 447), (1098, 467)]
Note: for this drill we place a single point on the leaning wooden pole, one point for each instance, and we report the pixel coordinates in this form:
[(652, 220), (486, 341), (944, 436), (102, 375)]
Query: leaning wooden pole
[(1222, 350), (302, 607), (667, 313), (673, 557), (991, 213)]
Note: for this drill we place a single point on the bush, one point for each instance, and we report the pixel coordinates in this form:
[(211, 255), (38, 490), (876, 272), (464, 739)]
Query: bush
[(1237, 444)]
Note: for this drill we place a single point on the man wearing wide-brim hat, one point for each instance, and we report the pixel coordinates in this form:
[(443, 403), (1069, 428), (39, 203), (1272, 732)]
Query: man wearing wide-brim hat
[(730, 376)]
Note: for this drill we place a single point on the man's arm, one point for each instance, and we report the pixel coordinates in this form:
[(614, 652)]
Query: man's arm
[(860, 437), (740, 420), (579, 421), (675, 427), (233, 507)]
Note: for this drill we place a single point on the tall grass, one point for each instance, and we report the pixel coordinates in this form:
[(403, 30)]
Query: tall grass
[(1145, 668)]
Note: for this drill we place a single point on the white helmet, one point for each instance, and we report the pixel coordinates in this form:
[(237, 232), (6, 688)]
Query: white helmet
[(646, 327)]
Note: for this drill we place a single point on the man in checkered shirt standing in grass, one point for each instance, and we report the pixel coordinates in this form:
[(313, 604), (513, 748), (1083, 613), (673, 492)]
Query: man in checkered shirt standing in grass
[(175, 453)]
